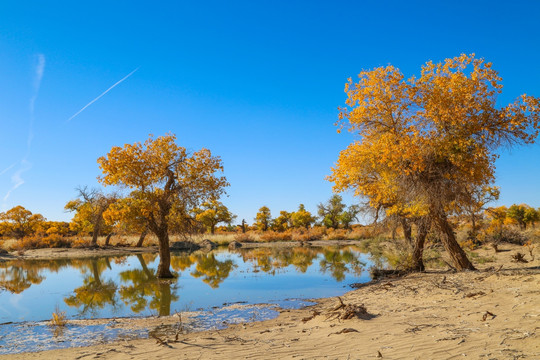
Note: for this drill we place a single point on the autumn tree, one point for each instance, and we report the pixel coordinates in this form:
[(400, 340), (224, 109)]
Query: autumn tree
[(330, 211), (89, 208), (213, 212), (425, 141), (20, 222), (263, 218), (478, 198), (282, 222), (127, 216), (523, 215), (302, 218), (531, 216), (170, 183)]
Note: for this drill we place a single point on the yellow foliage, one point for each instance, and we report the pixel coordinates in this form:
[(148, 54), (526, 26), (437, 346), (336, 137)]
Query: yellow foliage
[(438, 130)]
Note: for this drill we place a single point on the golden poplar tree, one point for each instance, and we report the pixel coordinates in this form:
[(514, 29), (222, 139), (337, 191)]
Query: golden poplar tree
[(169, 183), (425, 142)]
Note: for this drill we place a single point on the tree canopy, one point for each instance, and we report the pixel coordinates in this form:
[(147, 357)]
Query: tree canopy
[(426, 141), (169, 182)]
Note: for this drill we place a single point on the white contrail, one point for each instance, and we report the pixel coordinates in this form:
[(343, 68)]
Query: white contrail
[(7, 169), (16, 179), (99, 97)]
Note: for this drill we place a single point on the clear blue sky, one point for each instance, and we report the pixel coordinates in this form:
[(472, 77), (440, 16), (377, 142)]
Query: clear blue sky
[(256, 82)]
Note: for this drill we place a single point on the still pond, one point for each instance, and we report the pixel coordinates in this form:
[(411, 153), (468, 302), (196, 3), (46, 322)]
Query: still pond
[(126, 286)]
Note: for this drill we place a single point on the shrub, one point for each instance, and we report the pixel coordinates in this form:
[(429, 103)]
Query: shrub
[(505, 234), (337, 234), (244, 237), (275, 236)]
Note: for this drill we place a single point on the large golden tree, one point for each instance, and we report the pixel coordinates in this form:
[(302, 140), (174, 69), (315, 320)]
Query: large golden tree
[(425, 142), (169, 183)]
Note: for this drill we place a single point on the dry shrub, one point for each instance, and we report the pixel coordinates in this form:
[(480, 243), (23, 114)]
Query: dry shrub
[(498, 234), (337, 234), (315, 233), (58, 318), (244, 237), (275, 236), (360, 233), (80, 242), (39, 242)]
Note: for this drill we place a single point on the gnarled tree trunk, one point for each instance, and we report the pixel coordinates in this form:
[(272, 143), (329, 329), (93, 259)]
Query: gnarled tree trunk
[(142, 237), (97, 230), (164, 255), (108, 239), (457, 255), (418, 247)]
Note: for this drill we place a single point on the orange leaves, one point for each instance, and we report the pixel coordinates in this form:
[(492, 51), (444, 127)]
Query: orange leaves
[(428, 136)]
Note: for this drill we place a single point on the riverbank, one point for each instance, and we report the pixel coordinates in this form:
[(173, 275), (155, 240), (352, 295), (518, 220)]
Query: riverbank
[(493, 313)]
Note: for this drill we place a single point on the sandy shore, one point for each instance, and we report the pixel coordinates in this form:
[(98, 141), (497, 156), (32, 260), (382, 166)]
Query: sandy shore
[(493, 313)]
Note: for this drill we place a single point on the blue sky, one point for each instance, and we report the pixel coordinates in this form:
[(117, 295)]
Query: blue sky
[(256, 82)]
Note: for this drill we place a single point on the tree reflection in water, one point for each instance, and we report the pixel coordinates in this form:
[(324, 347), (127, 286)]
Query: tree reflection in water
[(138, 288), (18, 275), (335, 261), (338, 262), (141, 288), (212, 271), (95, 293)]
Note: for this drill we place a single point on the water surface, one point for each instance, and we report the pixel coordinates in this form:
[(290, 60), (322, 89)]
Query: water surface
[(108, 287)]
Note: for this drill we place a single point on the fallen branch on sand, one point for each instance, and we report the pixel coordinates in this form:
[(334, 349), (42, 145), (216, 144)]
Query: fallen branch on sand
[(348, 311)]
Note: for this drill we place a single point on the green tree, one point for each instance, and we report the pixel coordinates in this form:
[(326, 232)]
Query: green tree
[(330, 211), (531, 216), (348, 216)]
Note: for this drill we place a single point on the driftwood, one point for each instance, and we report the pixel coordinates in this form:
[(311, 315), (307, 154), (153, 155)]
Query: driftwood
[(348, 311), (519, 257)]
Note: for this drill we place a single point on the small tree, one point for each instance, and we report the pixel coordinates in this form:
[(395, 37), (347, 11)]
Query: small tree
[(282, 222), (347, 217), (89, 208), (531, 216), (331, 211), (170, 183), (302, 218), (263, 219), (20, 222), (212, 213), (127, 216)]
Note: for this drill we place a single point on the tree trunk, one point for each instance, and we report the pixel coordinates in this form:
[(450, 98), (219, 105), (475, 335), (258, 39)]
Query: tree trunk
[(108, 239), (457, 255), (212, 229), (165, 303), (407, 231), (95, 234), (418, 247), (141, 238), (473, 221), (164, 255)]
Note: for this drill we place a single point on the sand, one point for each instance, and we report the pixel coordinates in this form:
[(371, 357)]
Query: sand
[(493, 313)]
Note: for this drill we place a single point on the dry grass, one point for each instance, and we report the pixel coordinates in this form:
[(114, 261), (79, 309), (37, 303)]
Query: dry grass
[(59, 318)]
